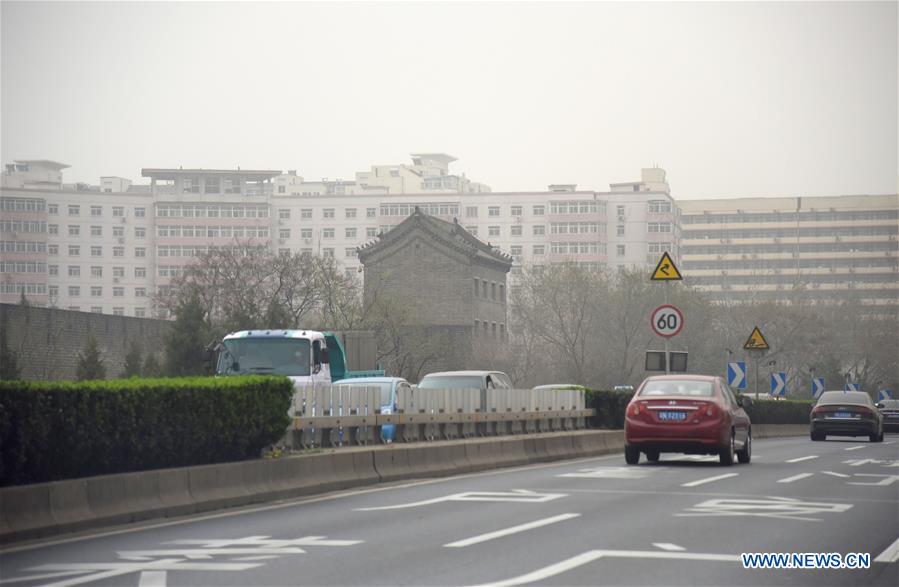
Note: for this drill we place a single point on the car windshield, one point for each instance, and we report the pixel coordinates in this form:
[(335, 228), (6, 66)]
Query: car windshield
[(280, 356), (384, 389), (678, 387), (844, 397), (451, 382)]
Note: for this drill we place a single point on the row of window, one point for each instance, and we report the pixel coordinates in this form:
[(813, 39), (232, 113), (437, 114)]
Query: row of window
[(23, 226), (211, 211), (576, 228), (22, 247), (482, 328), (816, 216), (887, 277), (97, 271), (116, 310), (574, 249), (791, 233), (22, 205), (212, 231), (489, 290), (96, 291), (96, 211), (752, 264), (96, 251), (306, 213), (8, 287), (97, 231), (193, 250), (23, 267), (432, 209), (775, 248)]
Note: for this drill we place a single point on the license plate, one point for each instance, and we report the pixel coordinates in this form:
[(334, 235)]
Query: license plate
[(842, 415), (672, 415)]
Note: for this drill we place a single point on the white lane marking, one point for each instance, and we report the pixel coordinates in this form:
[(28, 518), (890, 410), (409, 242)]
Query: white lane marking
[(203, 553), (302, 501), (611, 473), (42, 577), (836, 474), (592, 555), (890, 553), (100, 571), (153, 579), (802, 459), (795, 478), (266, 541), (709, 480), (888, 479), (773, 507), (512, 530), (668, 546), (516, 496), (855, 447)]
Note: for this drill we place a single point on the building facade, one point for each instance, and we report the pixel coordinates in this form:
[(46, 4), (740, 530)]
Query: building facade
[(84, 248), (833, 248)]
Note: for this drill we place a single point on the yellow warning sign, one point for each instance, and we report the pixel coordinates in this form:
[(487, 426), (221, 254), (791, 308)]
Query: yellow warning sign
[(666, 270), (756, 341)]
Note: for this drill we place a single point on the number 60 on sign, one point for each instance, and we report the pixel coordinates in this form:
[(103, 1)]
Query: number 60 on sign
[(667, 321)]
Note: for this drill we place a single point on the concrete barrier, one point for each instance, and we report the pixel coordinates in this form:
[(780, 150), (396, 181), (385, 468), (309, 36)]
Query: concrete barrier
[(33, 511)]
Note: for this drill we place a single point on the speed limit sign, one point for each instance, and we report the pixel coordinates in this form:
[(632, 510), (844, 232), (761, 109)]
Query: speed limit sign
[(667, 321)]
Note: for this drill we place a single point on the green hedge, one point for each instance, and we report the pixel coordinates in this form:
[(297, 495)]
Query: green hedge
[(780, 411), (62, 430), (611, 405)]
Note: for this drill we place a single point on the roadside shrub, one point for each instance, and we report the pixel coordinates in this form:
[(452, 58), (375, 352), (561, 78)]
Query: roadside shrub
[(780, 411), (62, 430), (610, 407)]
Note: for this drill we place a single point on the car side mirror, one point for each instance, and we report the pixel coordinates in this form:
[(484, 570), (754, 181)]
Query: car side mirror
[(879, 405), (744, 401)]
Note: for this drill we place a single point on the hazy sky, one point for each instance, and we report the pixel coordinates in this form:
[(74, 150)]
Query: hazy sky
[(731, 98)]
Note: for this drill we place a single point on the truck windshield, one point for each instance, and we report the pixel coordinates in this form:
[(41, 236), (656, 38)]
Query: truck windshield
[(279, 356), (452, 382)]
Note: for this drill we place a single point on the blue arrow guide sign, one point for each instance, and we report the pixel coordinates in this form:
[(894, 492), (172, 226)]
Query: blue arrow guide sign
[(884, 395), (736, 374), (779, 384), (851, 387), (817, 386)]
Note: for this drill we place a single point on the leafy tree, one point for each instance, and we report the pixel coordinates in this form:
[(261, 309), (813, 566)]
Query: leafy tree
[(132, 361), (151, 367), (90, 363), (9, 360), (186, 342)]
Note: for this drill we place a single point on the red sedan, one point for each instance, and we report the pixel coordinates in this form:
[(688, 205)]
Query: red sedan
[(692, 414)]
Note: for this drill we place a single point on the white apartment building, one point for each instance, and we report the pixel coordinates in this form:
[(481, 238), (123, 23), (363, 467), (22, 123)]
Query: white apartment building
[(834, 247), (110, 252)]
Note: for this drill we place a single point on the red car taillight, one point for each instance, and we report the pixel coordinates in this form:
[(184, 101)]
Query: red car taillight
[(711, 411), (634, 410)]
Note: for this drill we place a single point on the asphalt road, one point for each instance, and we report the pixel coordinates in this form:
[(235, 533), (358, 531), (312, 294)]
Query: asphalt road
[(683, 521)]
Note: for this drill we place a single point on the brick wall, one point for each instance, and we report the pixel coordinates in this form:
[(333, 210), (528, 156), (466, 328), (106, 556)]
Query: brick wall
[(48, 340)]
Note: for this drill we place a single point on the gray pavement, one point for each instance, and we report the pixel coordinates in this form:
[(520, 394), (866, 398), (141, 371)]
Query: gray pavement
[(683, 521)]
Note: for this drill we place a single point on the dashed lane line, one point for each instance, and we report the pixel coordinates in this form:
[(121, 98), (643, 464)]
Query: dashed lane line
[(890, 554), (831, 473), (795, 477), (709, 480), (512, 530), (855, 447), (800, 459)]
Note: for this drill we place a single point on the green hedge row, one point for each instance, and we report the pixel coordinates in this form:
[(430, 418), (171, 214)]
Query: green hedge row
[(611, 405), (63, 430)]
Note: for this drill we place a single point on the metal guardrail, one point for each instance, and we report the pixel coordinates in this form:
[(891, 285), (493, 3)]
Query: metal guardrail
[(339, 416)]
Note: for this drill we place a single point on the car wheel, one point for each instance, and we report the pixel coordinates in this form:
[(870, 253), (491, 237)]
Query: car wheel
[(726, 456), (816, 436), (652, 456), (872, 437), (745, 454), (631, 455)]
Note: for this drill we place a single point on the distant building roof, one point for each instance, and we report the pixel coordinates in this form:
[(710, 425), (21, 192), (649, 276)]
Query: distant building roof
[(44, 163), (441, 157), (449, 234), (157, 173)]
